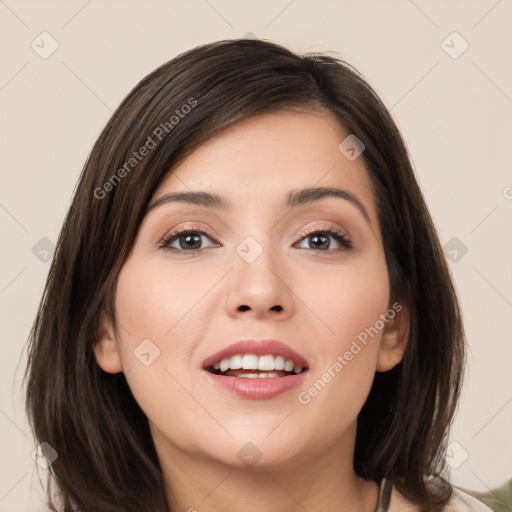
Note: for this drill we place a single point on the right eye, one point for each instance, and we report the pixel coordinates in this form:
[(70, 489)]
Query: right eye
[(188, 239)]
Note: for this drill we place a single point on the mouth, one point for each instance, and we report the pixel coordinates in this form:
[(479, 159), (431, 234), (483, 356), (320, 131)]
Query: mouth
[(256, 359), (251, 366), (256, 369)]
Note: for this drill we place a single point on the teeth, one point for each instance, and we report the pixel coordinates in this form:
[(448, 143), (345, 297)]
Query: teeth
[(288, 366), (235, 363), (279, 363), (249, 362), (258, 375), (265, 363)]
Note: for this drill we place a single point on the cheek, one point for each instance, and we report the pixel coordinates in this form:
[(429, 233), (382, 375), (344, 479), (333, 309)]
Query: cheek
[(351, 301), (160, 318), (147, 304), (154, 302), (351, 306)]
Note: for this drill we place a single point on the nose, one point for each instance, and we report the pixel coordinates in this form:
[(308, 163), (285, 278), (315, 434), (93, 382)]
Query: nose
[(260, 288)]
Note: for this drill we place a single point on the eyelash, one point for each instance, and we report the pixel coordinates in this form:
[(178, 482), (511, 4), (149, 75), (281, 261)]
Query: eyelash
[(337, 235)]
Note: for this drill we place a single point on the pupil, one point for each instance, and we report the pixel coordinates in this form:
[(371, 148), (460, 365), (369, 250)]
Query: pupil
[(326, 244), (189, 237)]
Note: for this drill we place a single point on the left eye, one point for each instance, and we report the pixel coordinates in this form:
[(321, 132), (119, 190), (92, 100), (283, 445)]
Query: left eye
[(321, 238)]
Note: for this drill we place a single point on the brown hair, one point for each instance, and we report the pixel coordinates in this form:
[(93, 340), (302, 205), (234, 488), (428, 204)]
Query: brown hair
[(106, 458)]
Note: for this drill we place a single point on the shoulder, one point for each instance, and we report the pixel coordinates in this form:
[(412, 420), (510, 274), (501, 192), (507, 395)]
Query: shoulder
[(464, 502), (460, 501)]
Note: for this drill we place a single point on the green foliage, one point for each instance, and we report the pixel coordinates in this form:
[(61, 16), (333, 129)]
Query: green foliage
[(498, 500)]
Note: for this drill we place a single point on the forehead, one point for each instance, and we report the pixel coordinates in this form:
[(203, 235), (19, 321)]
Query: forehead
[(265, 156)]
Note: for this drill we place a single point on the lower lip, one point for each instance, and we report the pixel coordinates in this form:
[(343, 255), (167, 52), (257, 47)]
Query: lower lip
[(256, 389)]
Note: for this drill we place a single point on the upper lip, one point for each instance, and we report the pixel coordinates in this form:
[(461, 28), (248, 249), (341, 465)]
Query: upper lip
[(258, 348)]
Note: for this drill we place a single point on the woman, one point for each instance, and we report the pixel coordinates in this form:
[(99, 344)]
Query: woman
[(248, 308)]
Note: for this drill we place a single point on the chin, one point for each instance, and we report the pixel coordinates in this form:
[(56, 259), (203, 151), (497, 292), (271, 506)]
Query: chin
[(260, 454)]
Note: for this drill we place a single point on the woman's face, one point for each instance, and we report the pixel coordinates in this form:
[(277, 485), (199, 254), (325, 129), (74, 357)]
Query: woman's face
[(263, 269)]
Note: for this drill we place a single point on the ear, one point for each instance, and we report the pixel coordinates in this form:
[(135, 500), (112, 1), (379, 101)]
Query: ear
[(106, 348), (394, 338)]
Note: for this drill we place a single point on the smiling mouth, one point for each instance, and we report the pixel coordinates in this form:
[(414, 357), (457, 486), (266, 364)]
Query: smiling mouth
[(252, 367)]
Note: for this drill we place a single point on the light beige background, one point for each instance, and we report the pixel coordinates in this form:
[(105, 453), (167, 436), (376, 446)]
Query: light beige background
[(455, 114)]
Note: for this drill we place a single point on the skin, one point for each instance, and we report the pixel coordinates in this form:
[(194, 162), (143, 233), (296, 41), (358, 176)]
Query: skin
[(190, 307)]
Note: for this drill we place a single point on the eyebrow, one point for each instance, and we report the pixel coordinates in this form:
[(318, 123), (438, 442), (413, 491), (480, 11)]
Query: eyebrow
[(293, 198)]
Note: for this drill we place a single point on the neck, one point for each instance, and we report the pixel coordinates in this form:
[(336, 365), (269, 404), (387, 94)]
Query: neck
[(326, 482)]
